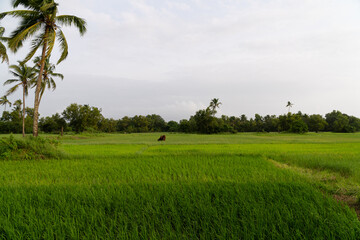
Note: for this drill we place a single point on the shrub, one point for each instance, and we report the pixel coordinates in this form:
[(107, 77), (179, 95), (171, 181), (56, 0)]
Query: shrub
[(29, 148)]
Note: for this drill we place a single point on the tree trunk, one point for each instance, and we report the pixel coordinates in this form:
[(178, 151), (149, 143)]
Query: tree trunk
[(62, 131), (38, 87), (23, 117)]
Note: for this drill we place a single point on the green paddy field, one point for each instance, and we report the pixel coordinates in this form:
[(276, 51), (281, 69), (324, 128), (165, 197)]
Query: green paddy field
[(240, 186)]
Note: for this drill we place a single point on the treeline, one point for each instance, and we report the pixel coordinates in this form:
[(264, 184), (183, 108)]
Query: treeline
[(84, 118)]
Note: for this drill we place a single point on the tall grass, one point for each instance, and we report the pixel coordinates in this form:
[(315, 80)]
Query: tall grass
[(112, 188), (173, 211)]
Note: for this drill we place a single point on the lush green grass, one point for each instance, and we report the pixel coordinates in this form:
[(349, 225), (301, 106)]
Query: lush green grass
[(189, 187), (241, 138)]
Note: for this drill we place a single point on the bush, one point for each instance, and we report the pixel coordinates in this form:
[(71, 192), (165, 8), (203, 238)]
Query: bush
[(29, 148)]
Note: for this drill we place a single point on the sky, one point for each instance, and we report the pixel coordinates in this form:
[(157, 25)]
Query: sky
[(171, 57)]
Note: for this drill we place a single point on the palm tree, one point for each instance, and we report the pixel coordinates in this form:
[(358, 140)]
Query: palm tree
[(3, 54), (289, 105), (17, 106), (4, 101), (214, 104), (41, 22), (23, 77), (48, 74)]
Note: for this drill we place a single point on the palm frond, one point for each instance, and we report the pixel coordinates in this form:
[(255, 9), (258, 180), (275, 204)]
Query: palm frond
[(18, 13), (50, 43), (16, 41), (58, 75), (16, 68), (46, 6), (52, 84), (69, 20), (63, 45), (10, 81), (35, 45), (15, 74), (3, 54), (12, 89)]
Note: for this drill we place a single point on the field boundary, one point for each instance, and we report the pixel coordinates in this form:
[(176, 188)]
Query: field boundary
[(330, 183)]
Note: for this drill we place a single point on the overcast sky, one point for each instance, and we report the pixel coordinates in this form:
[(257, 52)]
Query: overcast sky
[(171, 57)]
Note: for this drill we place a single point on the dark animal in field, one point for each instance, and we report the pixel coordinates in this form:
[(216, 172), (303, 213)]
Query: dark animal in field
[(162, 138)]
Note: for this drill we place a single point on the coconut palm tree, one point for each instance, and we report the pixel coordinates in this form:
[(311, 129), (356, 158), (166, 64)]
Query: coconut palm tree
[(41, 23), (4, 101), (17, 106), (289, 105), (214, 104), (48, 75), (24, 75), (3, 54)]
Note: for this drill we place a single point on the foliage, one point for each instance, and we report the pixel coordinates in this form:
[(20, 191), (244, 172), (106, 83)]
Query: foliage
[(339, 122), (29, 148), (4, 101), (53, 124), (24, 76), (41, 22), (3, 53), (81, 117), (11, 122), (48, 75)]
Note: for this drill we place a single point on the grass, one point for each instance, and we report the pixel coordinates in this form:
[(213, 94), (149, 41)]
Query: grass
[(191, 186)]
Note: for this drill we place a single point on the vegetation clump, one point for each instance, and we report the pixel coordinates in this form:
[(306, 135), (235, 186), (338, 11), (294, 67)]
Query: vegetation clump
[(29, 148)]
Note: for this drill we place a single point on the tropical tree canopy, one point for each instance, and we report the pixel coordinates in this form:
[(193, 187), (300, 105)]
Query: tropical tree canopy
[(4, 101), (23, 74), (289, 105), (215, 103), (48, 75), (41, 23)]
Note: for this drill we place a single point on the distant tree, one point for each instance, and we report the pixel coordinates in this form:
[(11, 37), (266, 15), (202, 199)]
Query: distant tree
[(172, 126), (4, 101), (289, 105), (259, 123), (156, 123), (3, 54), (316, 123), (271, 123), (23, 77), (298, 126), (205, 122), (354, 122), (107, 125), (17, 106), (140, 123), (11, 122), (292, 123), (82, 117), (214, 104), (41, 18), (338, 122), (184, 126), (124, 125), (53, 124)]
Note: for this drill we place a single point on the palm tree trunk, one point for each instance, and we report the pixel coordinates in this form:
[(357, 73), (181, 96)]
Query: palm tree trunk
[(38, 87), (23, 117)]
